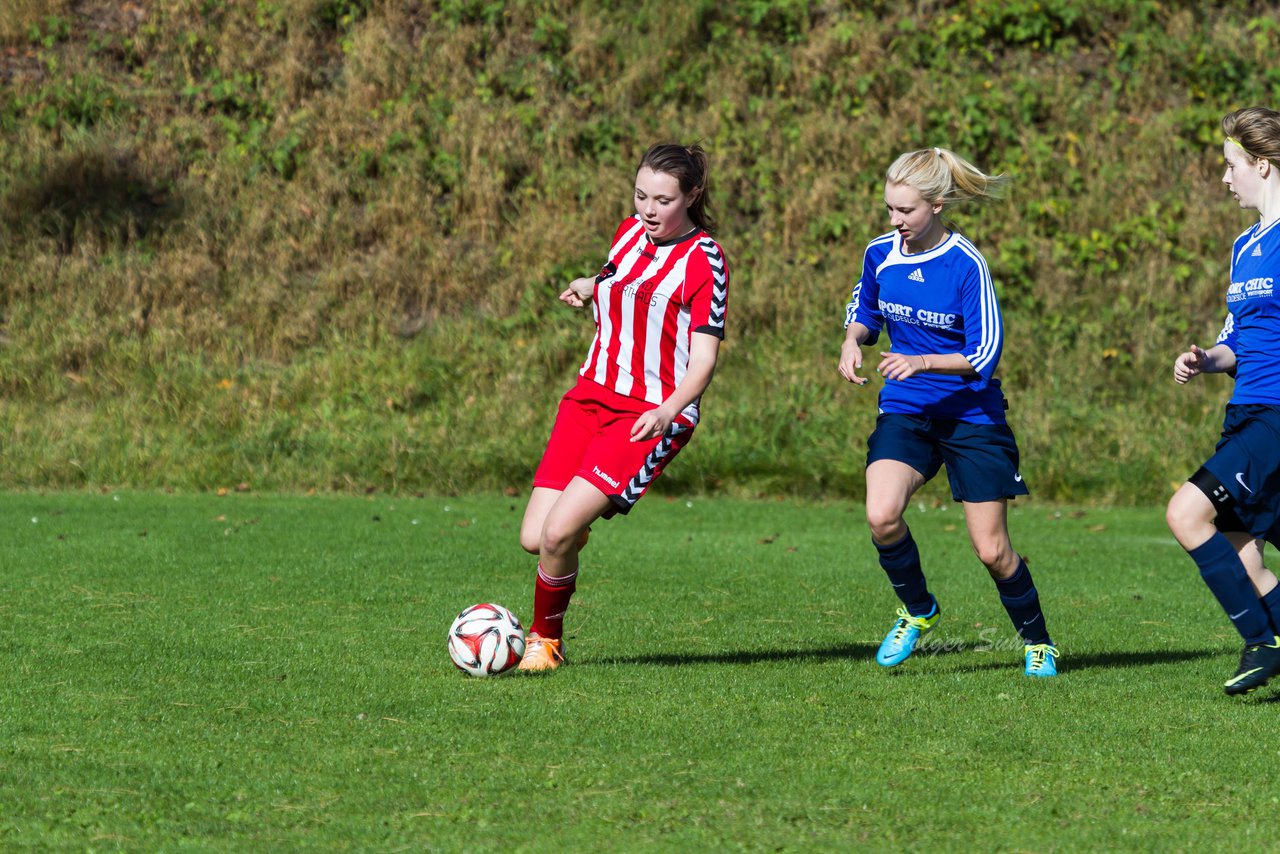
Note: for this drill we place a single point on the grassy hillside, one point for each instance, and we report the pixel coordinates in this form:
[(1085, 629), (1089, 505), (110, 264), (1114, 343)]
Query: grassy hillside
[(316, 243)]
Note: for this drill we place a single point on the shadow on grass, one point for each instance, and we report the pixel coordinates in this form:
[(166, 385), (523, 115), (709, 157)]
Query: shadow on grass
[(1085, 661), (1112, 660), (849, 650)]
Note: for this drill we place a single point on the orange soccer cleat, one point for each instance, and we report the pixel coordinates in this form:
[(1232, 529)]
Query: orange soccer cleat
[(541, 653)]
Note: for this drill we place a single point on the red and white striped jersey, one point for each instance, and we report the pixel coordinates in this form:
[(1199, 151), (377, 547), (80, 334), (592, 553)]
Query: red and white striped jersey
[(649, 299)]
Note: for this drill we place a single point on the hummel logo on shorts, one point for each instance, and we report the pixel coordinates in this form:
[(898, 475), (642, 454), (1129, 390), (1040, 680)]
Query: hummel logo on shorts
[(604, 477)]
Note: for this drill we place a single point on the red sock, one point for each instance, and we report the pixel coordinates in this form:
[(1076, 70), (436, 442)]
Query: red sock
[(550, 601)]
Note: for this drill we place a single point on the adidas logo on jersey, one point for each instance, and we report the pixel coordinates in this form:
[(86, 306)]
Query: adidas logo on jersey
[(1257, 251), (916, 275)]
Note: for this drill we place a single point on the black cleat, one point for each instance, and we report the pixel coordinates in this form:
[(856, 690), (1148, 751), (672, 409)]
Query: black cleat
[(1258, 663)]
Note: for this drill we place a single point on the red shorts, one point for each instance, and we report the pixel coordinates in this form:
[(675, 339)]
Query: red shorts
[(591, 439)]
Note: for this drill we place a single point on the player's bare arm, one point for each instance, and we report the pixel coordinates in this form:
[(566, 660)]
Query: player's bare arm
[(1216, 360), (851, 353), (704, 349), (579, 292), (899, 366)]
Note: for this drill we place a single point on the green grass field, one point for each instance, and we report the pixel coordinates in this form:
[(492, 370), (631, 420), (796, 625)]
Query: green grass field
[(269, 673)]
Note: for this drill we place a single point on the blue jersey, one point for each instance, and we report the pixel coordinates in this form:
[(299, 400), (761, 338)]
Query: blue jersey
[(940, 301), (1252, 330)]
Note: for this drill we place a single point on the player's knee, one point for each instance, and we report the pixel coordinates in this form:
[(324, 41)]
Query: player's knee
[(1174, 515), (1186, 516), (531, 541), (558, 538), (996, 556), (886, 524)]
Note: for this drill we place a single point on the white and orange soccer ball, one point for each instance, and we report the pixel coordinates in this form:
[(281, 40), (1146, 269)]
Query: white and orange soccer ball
[(486, 640)]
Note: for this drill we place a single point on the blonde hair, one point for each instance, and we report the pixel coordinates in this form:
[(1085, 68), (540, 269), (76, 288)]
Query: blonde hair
[(1256, 130), (941, 175)]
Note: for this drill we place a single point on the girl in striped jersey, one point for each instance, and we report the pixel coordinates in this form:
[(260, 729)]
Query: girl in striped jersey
[(1225, 511), (928, 287), (659, 308)]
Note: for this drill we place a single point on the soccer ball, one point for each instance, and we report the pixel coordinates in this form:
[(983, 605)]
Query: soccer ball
[(486, 640)]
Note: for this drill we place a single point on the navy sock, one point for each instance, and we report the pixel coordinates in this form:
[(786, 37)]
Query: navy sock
[(1271, 604), (901, 562), (1221, 569), (1019, 596)]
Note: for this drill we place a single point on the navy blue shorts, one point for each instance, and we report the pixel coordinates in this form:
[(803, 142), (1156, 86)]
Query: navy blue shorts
[(981, 459), (1247, 462)]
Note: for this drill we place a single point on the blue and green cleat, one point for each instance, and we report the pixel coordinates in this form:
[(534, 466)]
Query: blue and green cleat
[(901, 641), (1258, 663), (1041, 659)]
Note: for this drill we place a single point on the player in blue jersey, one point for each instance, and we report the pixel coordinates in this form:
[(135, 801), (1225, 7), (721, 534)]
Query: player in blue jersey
[(928, 287), (1231, 505)]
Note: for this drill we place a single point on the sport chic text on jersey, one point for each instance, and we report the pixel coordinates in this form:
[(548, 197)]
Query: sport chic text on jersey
[(939, 301), (1252, 328)]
